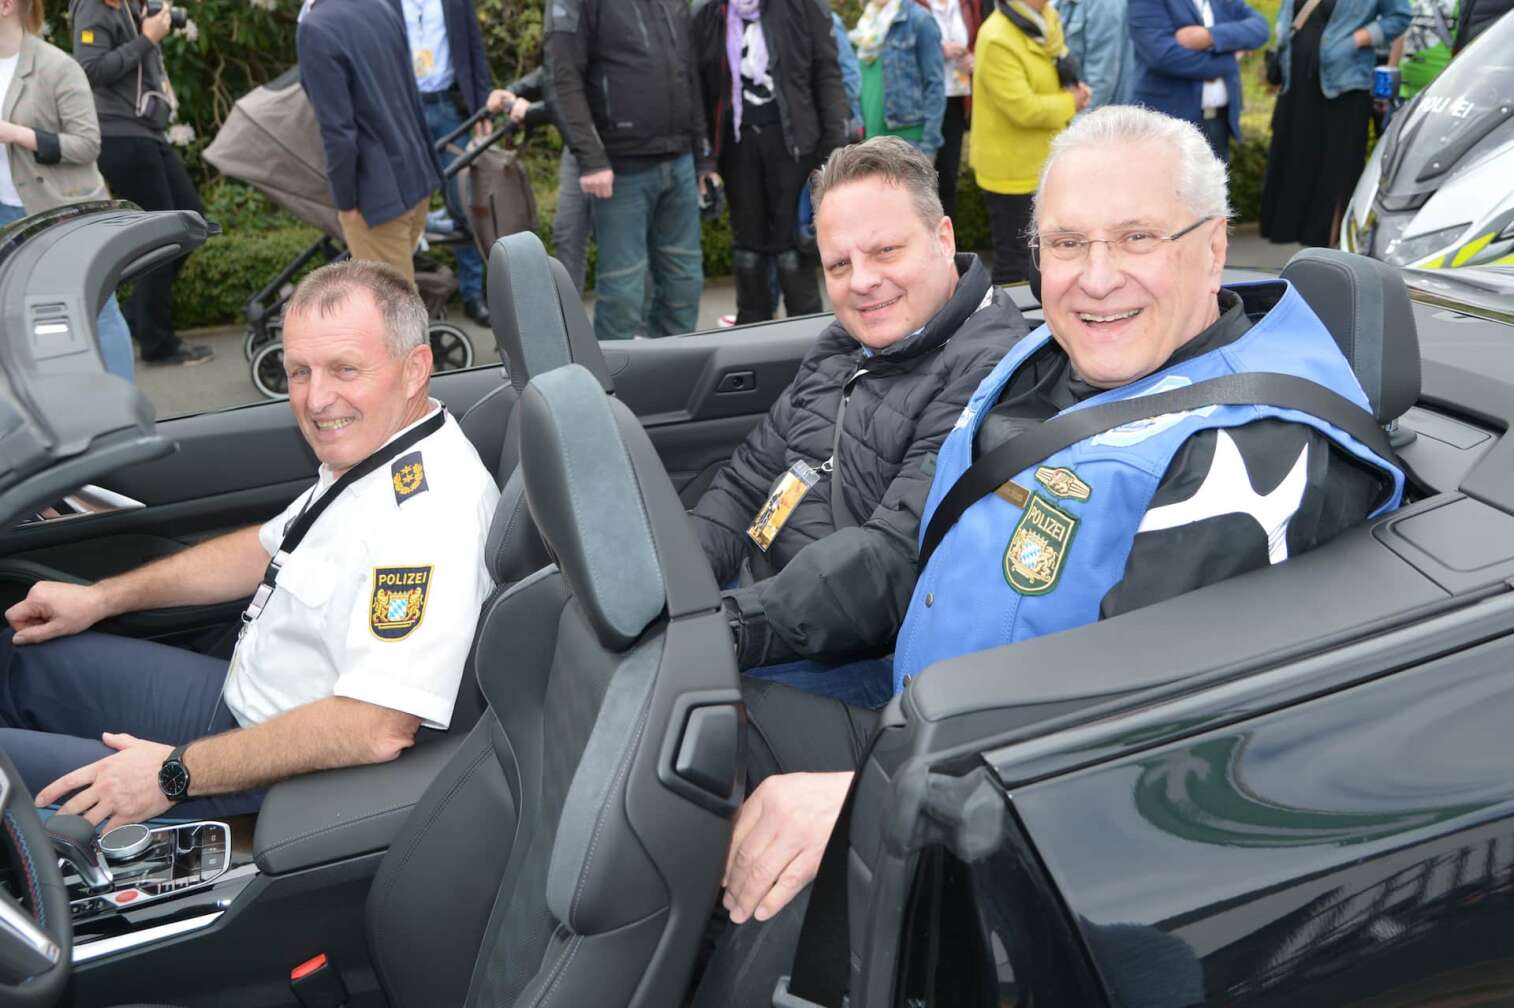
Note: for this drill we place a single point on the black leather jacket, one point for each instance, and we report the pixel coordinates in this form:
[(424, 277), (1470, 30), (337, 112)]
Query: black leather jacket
[(620, 77)]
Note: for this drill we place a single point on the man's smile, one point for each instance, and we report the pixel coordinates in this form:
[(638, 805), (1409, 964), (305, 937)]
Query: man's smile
[(880, 306)]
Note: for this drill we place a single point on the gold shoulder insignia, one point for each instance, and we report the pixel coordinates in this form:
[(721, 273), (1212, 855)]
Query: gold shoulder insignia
[(409, 477), (1063, 483)]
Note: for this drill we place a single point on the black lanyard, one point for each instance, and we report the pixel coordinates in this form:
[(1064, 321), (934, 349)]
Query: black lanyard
[(295, 533)]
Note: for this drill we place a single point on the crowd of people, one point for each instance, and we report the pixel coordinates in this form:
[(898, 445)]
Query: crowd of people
[(668, 111)]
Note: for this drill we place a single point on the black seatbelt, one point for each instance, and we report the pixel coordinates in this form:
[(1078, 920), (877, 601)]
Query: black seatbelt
[(295, 533), (841, 513), (822, 962), (1044, 440)]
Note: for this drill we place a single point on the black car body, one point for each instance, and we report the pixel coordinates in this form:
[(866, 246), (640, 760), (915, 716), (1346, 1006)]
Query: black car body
[(1290, 788)]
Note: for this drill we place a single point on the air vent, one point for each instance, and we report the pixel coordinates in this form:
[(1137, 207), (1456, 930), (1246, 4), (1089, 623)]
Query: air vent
[(52, 330)]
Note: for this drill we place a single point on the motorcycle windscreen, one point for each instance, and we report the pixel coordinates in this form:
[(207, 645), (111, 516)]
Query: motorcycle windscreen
[(1467, 108)]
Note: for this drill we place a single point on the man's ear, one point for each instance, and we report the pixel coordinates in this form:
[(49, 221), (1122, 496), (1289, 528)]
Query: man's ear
[(417, 369), (1219, 247), (946, 234)]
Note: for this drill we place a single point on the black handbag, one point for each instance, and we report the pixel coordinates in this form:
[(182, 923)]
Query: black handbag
[(1274, 67)]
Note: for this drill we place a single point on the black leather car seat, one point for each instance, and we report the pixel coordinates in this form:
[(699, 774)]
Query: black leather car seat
[(1365, 306), (571, 851), (539, 324)]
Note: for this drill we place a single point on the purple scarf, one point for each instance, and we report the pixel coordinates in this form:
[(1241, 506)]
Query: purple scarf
[(738, 12)]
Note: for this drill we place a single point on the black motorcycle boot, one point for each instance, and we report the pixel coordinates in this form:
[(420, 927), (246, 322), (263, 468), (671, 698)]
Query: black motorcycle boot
[(801, 288), (754, 292)]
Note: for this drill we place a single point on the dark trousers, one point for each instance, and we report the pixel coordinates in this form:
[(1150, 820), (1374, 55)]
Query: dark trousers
[(788, 731), (1217, 131), (1008, 219), (762, 183), (146, 171), (949, 157), (57, 698)]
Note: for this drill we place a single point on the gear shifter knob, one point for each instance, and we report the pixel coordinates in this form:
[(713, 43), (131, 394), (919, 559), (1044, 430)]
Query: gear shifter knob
[(74, 839)]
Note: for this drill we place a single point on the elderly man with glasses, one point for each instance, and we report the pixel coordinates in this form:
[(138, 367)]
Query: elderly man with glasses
[(1158, 507), (1130, 239)]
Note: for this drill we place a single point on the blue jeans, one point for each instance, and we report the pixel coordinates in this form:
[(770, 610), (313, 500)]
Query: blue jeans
[(868, 683), (651, 220), (570, 228), (56, 698), (442, 118), (110, 328)]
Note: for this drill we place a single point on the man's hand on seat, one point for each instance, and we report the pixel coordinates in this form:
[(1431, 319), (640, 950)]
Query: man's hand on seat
[(779, 837), (54, 609), (121, 788)]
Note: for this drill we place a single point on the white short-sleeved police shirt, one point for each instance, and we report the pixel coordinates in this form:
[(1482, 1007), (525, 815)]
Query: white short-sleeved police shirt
[(379, 601)]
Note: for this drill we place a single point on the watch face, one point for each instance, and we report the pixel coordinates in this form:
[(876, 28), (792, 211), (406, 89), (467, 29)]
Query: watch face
[(173, 778)]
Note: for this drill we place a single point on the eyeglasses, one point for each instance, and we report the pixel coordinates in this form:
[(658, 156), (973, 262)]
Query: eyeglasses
[(1135, 242)]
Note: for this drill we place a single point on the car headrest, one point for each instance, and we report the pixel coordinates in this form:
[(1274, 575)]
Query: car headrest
[(606, 509), (538, 320), (513, 550), (1364, 304)]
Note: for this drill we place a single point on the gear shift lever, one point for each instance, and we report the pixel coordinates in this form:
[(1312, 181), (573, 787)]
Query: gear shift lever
[(74, 840)]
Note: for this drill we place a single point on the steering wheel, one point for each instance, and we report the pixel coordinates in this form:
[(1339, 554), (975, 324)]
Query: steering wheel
[(36, 944)]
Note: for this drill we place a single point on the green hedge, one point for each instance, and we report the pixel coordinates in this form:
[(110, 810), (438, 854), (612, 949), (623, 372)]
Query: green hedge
[(217, 280)]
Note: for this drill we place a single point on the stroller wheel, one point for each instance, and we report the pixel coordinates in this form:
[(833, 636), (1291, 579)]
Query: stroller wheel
[(272, 332), (268, 371), (451, 349)]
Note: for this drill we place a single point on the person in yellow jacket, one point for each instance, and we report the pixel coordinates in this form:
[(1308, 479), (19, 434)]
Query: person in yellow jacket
[(1026, 89)]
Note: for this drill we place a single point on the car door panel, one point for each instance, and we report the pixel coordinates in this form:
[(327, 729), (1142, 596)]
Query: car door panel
[(241, 466)]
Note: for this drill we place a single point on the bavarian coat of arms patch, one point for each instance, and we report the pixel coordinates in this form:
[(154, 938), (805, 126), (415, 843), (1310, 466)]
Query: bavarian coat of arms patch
[(399, 601)]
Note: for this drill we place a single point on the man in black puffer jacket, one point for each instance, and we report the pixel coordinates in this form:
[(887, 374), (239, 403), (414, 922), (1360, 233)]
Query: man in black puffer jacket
[(827, 578)]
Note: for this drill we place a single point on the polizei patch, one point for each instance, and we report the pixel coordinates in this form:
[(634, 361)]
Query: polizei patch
[(399, 601), (1038, 547)]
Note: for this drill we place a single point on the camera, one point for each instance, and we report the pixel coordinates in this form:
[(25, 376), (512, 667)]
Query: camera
[(711, 200), (177, 19)]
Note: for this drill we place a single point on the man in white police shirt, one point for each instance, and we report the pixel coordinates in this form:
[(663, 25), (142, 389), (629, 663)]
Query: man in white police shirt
[(358, 629), (1131, 240)]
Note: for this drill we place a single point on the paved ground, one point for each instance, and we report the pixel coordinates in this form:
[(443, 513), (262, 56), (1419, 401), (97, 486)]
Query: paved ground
[(226, 381)]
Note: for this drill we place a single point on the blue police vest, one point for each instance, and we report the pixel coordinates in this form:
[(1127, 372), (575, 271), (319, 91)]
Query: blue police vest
[(1008, 571)]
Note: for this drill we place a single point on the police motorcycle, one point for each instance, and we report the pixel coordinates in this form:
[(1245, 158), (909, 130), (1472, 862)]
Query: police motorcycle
[(1438, 189), (1290, 787)]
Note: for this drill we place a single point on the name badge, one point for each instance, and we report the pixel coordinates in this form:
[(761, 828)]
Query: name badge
[(785, 496)]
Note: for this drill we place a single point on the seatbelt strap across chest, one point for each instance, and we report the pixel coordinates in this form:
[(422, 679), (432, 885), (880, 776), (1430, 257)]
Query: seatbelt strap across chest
[(295, 533), (1046, 439), (841, 514)]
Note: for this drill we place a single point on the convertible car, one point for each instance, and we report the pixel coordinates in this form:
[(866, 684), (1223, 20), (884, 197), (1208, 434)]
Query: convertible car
[(1291, 788)]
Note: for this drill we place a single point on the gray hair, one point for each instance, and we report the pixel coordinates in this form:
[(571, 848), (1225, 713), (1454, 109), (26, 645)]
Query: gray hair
[(404, 313), (887, 157), (1201, 180)]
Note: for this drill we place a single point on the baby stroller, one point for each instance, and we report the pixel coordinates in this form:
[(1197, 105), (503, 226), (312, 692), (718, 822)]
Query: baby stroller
[(271, 141)]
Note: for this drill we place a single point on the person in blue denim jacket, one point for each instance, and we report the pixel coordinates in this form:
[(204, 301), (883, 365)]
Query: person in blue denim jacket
[(903, 73), (1098, 36), (1326, 51), (851, 75)]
